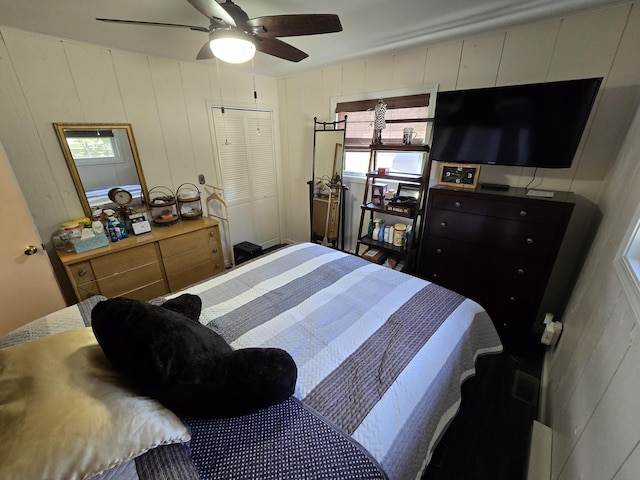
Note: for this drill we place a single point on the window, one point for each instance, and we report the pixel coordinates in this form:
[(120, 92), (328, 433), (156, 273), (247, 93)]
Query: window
[(403, 111), (628, 264)]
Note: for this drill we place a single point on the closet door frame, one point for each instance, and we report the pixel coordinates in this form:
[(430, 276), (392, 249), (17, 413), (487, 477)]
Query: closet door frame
[(248, 210)]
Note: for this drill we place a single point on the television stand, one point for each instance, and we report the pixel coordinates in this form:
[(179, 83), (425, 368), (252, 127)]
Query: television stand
[(494, 186)]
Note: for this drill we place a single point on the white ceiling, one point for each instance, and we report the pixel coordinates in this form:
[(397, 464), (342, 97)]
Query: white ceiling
[(370, 27)]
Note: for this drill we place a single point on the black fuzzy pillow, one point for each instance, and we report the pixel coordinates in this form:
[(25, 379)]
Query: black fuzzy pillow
[(168, 354)]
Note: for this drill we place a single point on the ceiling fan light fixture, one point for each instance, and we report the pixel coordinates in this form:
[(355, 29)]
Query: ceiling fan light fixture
[(231, 46)]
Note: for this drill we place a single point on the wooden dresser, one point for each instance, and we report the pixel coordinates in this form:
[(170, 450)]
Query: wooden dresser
[(148, 265), (499, 249)]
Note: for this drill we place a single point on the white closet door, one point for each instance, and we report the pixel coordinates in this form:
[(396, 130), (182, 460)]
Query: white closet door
[(247, 163)]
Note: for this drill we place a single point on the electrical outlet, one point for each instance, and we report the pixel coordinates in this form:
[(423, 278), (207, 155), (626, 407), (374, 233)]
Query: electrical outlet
[(547, 334)]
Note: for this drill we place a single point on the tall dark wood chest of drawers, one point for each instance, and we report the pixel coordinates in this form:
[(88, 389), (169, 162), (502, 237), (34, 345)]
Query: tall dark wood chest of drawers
[(497, 248)]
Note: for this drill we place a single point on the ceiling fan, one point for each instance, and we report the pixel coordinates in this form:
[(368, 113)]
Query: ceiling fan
[(231, 28)]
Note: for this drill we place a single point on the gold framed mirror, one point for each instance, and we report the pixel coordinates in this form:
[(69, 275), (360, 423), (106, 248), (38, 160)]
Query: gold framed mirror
[(100, 157)]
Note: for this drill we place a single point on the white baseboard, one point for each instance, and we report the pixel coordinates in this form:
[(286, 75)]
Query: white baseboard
[(543, 411), (539, 461)]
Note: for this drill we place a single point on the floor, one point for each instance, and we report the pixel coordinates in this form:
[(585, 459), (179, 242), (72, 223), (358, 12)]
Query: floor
[(489, 438)]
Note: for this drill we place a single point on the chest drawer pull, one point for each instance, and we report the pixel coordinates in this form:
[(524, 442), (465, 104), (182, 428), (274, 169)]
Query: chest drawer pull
[(212, 234), (215, 250), (523, 213), (443, 224), (529, 240), (457, 204), (82, 272), (520, 271), (512, 299), (438, 251)]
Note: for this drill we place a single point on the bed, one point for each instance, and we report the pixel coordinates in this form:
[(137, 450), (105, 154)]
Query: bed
[(381, 356)]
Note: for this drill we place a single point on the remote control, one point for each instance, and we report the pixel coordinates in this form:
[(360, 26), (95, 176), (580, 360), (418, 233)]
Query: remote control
[(495, 186)]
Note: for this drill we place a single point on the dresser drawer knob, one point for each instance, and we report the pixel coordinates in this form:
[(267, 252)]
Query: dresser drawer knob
[(82, 272), (457, 204), (443, 224), (438, 251), (434, 275), (523, 213), (513, 299), (215, 250), (529, 240), (520, 271), (212, 234)]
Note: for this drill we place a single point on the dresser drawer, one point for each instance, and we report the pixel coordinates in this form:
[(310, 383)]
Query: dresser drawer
[(486, 287), (82, 273), (522, 237), (192, 257), (130, 272), (124, 261), (189, 241), (133, 282), (523, 211), (440, 254), (87, 290)]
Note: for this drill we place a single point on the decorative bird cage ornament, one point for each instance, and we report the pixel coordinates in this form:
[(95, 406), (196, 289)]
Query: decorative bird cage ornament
[(189, 204)]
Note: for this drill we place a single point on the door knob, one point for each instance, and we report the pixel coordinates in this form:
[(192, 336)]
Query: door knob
[(30, 249)]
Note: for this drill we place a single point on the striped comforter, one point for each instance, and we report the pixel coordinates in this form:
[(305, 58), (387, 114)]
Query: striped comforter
[(380, 354)]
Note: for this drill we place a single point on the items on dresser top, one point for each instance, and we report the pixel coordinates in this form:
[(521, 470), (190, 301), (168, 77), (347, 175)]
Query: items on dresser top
[(146, 266)]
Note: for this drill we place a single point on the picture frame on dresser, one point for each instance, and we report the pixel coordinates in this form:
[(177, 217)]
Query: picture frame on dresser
[(459, 175)]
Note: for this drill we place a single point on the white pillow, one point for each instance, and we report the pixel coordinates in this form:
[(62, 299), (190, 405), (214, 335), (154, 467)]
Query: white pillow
[(65, 413)]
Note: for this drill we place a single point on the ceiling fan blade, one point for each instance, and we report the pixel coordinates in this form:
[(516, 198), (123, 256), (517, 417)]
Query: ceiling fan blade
[(294, 25), (155, 24), (213, 10), (205, 53), (280, 49)]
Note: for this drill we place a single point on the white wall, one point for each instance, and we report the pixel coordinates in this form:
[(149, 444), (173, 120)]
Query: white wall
[(561, 49), (45, 80), (593, 388), (593, 382)]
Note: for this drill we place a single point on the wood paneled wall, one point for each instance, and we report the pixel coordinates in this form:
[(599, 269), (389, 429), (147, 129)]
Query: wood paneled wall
[(45, 80), (592, 392), (581, 46)]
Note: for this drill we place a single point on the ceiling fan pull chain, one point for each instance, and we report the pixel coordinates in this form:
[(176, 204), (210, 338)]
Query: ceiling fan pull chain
[(224, 123), (255, 97)]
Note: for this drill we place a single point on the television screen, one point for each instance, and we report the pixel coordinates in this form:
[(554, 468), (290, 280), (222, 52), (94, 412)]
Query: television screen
[(534, 125)]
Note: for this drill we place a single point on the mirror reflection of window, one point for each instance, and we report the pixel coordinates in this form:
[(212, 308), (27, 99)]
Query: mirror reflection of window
[(101, 157), (94, 147), (86, 148)]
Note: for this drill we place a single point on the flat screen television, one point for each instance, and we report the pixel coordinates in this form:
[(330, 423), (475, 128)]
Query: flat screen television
[(533, 125)]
